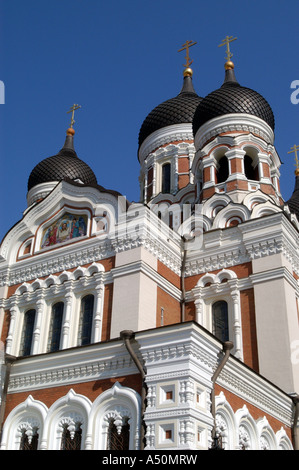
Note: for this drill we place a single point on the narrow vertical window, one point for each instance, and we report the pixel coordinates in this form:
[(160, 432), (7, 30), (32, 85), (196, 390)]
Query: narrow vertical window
[(222, 170), (27, 333), (166, 178), (55, 327), (251, 172), (220, 320), (118, 440), (86, 317)]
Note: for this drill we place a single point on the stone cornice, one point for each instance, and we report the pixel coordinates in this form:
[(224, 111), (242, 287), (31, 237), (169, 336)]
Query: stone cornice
[(75, 365), (166, 135), (232, 123), (255, 238)]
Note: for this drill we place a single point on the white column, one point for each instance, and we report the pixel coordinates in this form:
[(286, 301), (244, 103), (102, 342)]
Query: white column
[(67, 316), (98, 313), (40, 304), (154, 184), (14, 311), (237, 340)]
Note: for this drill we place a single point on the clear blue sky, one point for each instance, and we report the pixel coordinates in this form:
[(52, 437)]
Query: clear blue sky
[(118, 60)]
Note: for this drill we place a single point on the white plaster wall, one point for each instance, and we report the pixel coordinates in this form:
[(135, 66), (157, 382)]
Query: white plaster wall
[(134, 294), (276, 323)]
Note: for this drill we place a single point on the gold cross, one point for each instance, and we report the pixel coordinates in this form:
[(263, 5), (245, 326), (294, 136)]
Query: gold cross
[(294, 150), (225, 42), (185, 47), (72, 110)]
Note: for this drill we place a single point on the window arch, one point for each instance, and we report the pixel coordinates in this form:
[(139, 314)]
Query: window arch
[(85, 321), (166, 178), (220, 320), (55, 327), (27, 333), (222, 170)]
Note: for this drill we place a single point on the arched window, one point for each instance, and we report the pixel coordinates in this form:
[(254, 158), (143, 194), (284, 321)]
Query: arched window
[(55, 327), (71, 437), (29, 439), (118, 439), (222, 170), (27, 333), (220, 320), (166, 170), (85, 322), (251, 172)]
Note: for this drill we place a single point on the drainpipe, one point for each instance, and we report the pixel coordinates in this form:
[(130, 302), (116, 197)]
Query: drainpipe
[(9, 360), (183, 269), (227, 346), (127, 336), (295, 429)]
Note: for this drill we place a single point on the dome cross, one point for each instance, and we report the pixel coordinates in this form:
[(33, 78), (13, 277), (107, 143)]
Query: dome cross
[(226, 42), (294, 150), (72, 110), (186, 47)]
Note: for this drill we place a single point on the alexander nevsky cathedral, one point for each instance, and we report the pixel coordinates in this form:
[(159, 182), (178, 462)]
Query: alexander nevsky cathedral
[(168, 324)]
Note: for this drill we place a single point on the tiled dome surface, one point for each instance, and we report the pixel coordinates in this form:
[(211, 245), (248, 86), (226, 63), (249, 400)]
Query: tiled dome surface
[(65, 164), (231, 97), (177, 110)]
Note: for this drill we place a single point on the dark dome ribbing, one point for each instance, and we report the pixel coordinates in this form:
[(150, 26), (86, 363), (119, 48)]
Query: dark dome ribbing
[(293, 202), (177, 110), (65, 164), (230, 98)]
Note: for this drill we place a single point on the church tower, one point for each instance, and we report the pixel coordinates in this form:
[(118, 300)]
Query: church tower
[(166, 147)]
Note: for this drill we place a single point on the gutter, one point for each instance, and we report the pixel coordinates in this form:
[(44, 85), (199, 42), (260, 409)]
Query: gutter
[(227, 346), (9, 360), (127, 336), (183, 269)]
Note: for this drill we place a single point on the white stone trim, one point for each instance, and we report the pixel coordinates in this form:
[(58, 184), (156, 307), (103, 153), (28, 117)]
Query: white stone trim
[(231, 123), (166, 135)]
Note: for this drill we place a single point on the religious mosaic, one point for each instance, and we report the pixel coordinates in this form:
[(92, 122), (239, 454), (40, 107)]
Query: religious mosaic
[(68, 227)]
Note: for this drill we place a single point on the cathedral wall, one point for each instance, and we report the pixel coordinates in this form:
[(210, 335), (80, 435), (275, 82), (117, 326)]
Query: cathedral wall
[(90, 390), (238, 403), (249, 328), (168, 309), (134, 292), (241, 270), (107, 312)]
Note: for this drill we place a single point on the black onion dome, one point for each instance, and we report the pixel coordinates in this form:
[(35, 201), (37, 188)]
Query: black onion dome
[(177, 110), (293, 202), (65, 164), (230, 98)]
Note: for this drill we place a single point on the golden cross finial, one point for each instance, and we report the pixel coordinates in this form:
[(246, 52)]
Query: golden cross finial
[(185, 47), (226, 42), (294, 149), (72, 110)]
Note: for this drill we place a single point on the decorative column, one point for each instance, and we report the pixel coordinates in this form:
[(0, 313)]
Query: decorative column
[(67, 315), (40, 306), (235, 293), (98, 312), (14, 312), (154, 178), (198, 302)]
